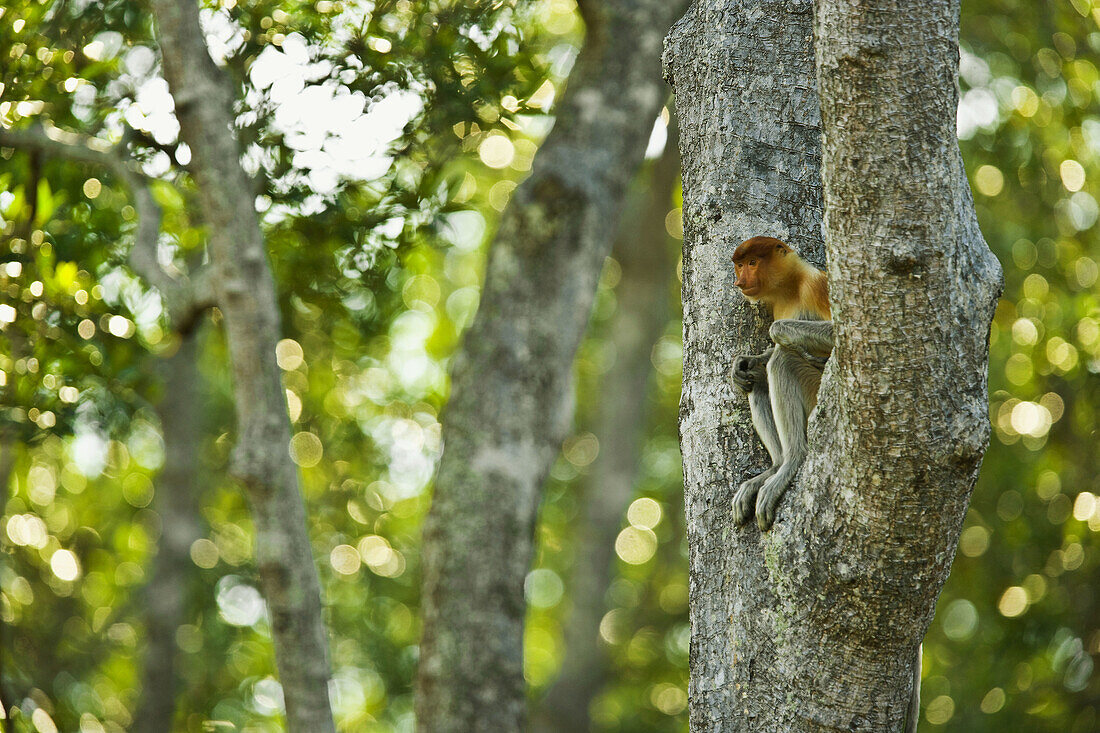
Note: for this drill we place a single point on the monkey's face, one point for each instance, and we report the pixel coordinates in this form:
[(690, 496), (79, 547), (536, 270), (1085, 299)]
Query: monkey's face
[(750, 276), (753, 260)]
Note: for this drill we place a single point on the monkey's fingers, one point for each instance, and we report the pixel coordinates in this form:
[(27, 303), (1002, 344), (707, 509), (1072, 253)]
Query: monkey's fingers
[(743, 382), (767, 503)]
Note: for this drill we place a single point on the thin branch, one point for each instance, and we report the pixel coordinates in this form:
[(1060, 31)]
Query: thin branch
[(184, 298)]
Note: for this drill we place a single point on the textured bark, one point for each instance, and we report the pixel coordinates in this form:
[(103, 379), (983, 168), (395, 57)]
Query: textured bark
[(813, 625), (645, 254), (510, 403), (245, 292), (177, 503)]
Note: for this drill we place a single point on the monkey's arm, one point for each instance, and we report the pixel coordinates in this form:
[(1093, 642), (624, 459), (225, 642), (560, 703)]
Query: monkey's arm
[(793, 381), (812, 337)]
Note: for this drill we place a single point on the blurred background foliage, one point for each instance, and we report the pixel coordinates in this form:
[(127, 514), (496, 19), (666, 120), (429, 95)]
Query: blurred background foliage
[(385, 138)]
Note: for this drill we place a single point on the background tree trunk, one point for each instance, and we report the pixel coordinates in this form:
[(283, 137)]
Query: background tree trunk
[(510, 403), (813, 626), (177, 503), (245, 293), (644, 251)]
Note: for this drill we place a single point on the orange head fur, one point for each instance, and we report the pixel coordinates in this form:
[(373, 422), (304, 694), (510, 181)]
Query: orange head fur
[(769, 271)]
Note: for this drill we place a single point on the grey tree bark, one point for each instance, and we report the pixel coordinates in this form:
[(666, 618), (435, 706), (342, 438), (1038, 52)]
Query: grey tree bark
[(644, 251), (244, 290), (177, 502), (510, 400), (813, 625)]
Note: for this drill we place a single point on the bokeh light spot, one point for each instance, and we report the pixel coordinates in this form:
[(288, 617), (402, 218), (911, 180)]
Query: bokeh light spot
[(635, 545), (543, 588), (940, 710), (1073, 175), (989, 180), (581, 450), (204, 553), (239, 604), (974, 541), (1013, 602), (496, 151), (306, 449), (289, 354), (120, 326), (345, 559), (43, 723), (644, 513), (668, 698), (1030, 418), (92, 188), (64, 565), (960, 620), (993, 701)]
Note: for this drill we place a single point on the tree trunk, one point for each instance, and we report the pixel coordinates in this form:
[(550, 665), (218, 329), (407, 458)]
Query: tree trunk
[(510, 404), (177, 503), (245, 292), (813, 625), (644, 251)]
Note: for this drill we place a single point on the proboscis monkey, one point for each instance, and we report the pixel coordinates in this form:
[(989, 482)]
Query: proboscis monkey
[(781, 383)]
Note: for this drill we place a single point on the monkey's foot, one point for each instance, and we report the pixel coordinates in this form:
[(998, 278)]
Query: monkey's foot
[(767, 500), (744, 501)]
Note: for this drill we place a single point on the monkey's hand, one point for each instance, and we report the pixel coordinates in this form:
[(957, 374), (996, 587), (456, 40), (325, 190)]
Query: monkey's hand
[(750, 372)]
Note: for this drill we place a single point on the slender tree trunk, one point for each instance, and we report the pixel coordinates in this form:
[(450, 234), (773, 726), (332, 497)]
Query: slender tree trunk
[(510, 403), (644, 251), (177, 503), (245, 292), (813, 625)]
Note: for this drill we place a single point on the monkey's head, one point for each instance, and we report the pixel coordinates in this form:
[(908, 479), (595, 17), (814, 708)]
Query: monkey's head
[(752, 261)]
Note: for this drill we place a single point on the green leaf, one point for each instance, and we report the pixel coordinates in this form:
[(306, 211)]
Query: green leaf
[(46, 203)]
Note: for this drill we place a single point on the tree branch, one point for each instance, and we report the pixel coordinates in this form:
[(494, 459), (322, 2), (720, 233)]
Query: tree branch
[(184, 298)]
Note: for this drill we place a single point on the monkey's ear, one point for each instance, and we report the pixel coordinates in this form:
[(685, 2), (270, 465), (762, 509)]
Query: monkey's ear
[(783, 249)]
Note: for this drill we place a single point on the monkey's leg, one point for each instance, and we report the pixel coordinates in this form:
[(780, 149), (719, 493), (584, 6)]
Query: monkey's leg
[(813, 337), (792, 383), (744, 501), (751, 377)]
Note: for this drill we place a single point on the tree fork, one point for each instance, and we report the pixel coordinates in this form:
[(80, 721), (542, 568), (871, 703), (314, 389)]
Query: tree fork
[(813, 626)]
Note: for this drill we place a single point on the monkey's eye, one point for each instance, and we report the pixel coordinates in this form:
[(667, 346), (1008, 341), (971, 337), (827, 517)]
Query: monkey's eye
[(752, 263)]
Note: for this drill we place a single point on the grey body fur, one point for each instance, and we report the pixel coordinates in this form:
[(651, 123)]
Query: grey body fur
[(781, 385)]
